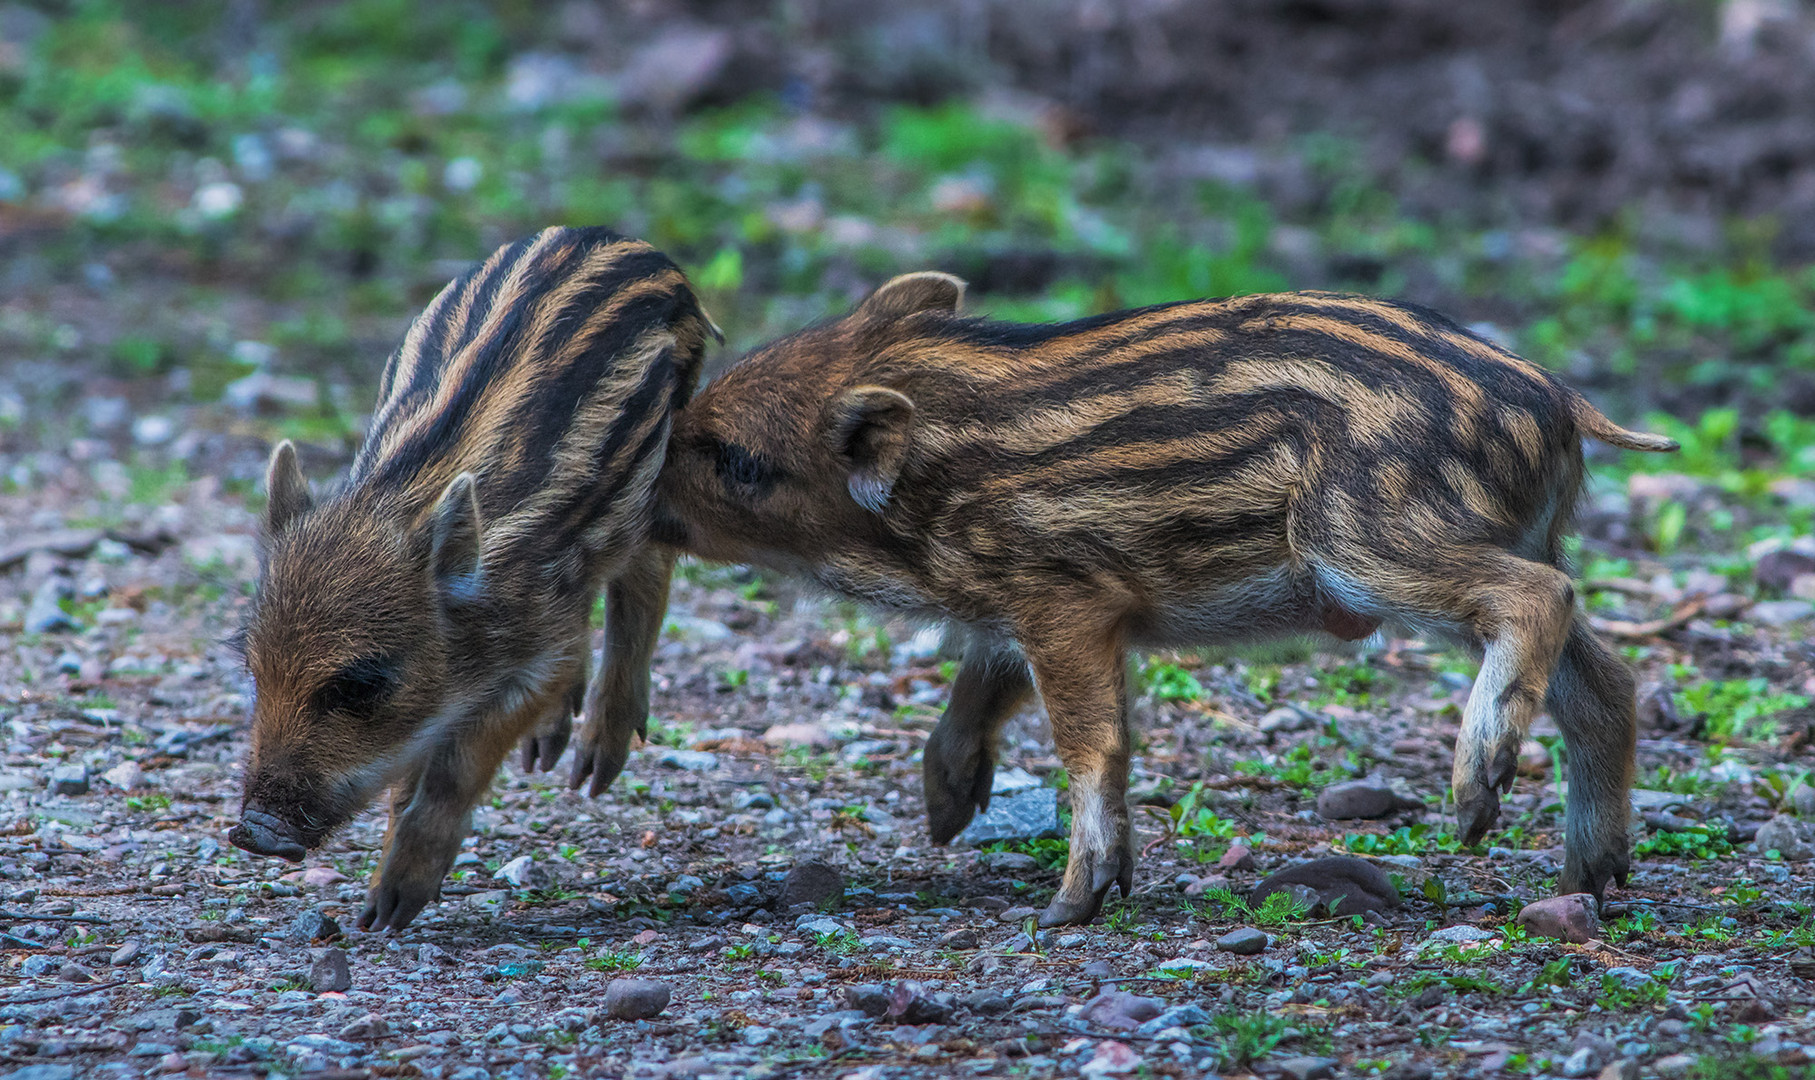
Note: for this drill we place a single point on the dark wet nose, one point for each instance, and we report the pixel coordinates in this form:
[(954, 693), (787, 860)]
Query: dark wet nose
[(264, 834)]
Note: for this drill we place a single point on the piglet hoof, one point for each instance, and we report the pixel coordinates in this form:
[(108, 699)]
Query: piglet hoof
[(1505, 768), (1593, 874), (393, 908), (1477, 811), (544, 747), (954, 792), (1079, 907)]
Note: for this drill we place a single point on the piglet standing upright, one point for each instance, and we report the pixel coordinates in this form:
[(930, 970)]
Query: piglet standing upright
[(1187, 474), (414, 625)]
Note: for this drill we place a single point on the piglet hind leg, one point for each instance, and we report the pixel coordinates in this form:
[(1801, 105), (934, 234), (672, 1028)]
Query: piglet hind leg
[(1522, 612), (959, 766), (1083, 681), (1592, 700), (617, 705)]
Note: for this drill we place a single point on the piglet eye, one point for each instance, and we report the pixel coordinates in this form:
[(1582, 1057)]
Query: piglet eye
[(741, 468), (359, 688)]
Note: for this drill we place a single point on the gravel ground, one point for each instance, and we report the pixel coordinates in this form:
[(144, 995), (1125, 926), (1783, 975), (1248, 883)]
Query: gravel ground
[(763, 863)]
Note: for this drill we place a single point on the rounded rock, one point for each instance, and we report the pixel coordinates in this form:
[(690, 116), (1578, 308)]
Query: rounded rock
[(636, 999), (1246, 941)]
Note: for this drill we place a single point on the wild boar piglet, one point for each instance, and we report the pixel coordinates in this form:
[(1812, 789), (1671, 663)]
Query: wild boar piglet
[(1187, 474), (413, 625)]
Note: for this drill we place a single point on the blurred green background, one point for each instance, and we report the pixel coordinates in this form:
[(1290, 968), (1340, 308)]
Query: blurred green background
[(217, 217)]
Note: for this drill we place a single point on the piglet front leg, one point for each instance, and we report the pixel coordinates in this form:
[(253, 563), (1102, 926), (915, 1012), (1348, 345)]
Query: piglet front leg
[(617, 705)]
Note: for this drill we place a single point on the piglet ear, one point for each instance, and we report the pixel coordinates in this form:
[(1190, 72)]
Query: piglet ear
[(286, 490), (902, 296), (455, 542), (870, 429)]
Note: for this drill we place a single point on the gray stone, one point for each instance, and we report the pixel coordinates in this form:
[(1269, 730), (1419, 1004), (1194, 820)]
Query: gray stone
[(636, 999), (688, 760), (1009, 862), (868, 998), (1119, 1010), (811, 882), (963, 939), (1631, 978), (1306, 1068), (1674, 1065), (1285, 719), (263, 392), (1031, 815), (1788, 836), (1358, 799), (45, 614), (910, 1003), (1179, 1016), (1802, 797), (42, 1072), (1246, 941), (310, 926), (1777, 613), (814, 925), (330, 973), (1345, 885), (69, 780), (524, 872), (1460, 934)]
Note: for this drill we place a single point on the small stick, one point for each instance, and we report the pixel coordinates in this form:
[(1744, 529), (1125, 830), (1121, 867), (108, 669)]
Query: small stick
[(73, 992), (36, 916), (1619, 628)]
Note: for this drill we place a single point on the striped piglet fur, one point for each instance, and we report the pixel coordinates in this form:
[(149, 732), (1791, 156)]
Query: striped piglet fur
[(415, 624), (1188, 474)]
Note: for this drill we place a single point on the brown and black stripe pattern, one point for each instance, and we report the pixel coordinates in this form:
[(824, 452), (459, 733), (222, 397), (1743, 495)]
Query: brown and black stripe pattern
[(1182, 474), (418, 622)]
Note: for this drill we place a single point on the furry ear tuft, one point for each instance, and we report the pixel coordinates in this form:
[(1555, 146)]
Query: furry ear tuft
[(287, 495), (455, 542), (928, 290), (871, 428)]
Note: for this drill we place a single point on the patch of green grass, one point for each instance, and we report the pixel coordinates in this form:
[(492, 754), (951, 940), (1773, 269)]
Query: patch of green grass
[(1631, 927), (1278, 909), (1050, 852), (1417, 839), (1701, 842), (1299, 767), (615, 960), (1730, 710), (1358, 686), (838, 942), (1246, 1037), (1746, 1066), (1616, 996), (1557, 973), (1169, 682)]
